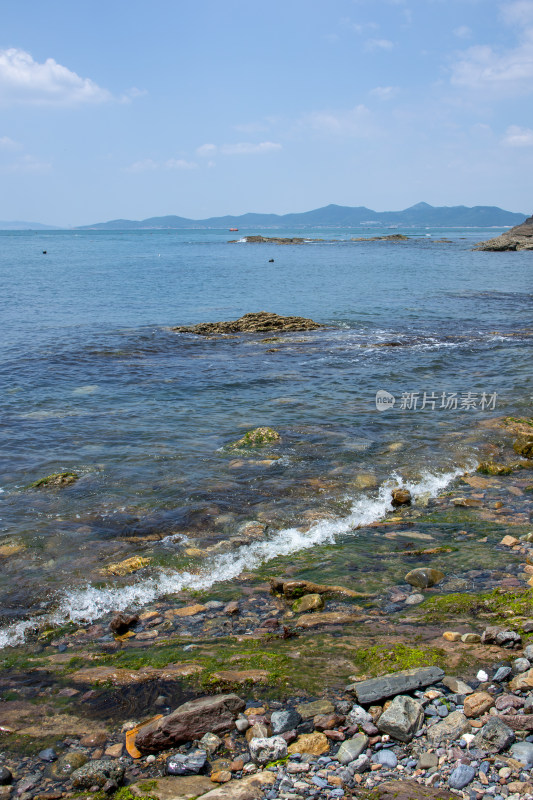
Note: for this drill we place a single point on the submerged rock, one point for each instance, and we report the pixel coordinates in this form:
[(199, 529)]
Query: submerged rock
[(309, 602), (524, 445), (256, 438), (256, 322), (518, 238), (58, 479), (97, 773), (424, 577)]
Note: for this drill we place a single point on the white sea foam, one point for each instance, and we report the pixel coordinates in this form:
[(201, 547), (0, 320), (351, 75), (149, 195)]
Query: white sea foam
[(90, 603)]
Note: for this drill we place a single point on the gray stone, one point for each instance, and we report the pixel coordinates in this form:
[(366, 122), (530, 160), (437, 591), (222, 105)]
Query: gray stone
[(385, 757), (456, 685), (360, 764), (503, 638), (523, 752), (5, 776), (358, 716), (315, 708), (241, 723), (97, 773), (494, 737), (374, 689), (528, 652), (48, 755), (67, 764), (267, 749), (449, 729), (188, 764), (414, 599), (462, 775), (211, 742), (427, 761), (285, 720), (520, 665), (402, 719), (352, 748), (501, 674)]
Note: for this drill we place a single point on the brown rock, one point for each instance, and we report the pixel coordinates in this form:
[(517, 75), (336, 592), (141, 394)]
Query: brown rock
[(191, 721), (325, 722), (297, 588), (173, 788), (123, 622), (258, 322), (406, 790), (222, 776), (94, 739), (401, 497), (314, 619), (476, 704), (313, 743), (190, 611), (451, 636), (522, 681), (115, 750), (231, 608)]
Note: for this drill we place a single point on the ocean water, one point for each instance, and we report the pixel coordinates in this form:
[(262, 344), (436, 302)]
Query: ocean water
[(95, 381)]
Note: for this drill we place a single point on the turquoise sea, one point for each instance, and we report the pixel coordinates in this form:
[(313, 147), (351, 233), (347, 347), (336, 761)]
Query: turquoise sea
[(95, 381)]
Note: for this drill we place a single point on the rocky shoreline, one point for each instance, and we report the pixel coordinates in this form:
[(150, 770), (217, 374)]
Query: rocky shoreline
[(518, 238), (294, 689)]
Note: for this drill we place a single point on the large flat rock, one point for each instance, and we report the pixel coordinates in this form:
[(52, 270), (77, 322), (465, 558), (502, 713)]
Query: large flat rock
[(191, 721), (374, 689), (187, 788)]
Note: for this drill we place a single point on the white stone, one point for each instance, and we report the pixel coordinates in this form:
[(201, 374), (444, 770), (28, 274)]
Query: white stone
[(482, 676)]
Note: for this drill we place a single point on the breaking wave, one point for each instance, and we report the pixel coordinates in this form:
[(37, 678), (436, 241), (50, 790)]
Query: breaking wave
[(90, 603)]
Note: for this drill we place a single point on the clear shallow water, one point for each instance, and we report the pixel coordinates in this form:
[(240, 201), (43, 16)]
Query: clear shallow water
[(94, 381)]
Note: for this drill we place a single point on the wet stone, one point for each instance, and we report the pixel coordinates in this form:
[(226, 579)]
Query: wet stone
[(462, 775), (352, 748), (189, 764), (48, 755), (97, 773), (5, 776), (315, 709), (285, 720)]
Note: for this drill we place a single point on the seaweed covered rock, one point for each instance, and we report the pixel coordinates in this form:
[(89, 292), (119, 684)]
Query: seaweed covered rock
[(56, 480), (256, 438), (255, 322)]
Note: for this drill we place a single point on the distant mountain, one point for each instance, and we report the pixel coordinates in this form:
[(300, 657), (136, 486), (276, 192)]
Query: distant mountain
[(333, 216), (25, 226)]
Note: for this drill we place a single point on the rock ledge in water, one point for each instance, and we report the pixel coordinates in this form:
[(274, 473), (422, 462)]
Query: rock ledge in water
[(256, 322), (518, 238)]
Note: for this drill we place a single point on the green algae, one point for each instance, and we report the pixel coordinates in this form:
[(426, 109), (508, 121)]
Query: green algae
[(55, 480), (258, 437), (21, 744), (383, 658), (499, 604)]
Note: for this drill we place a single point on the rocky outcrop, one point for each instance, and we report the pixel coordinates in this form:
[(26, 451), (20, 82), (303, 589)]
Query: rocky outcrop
[(257, 322), (273, 240), (191, 721), (518, 238)]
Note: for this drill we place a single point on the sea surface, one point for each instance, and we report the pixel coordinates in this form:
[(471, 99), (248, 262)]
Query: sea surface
[(93, 380)]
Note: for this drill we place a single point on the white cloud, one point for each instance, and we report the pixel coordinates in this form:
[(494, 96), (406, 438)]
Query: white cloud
[(462, 32), (145, 165), (384, 92), (132, 94), (357, 121), (519, 12), (515, 136), (248, 148), (27, 163), (9, 144), (25, 81), (509, 70), (206, 150), (179, 163), (372, 45)]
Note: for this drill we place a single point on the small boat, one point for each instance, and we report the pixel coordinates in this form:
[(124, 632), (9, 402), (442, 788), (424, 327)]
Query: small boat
[(234, 229)]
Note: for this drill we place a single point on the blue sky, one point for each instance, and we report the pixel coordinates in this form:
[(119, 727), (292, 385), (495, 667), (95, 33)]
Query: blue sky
[(130, 109)]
